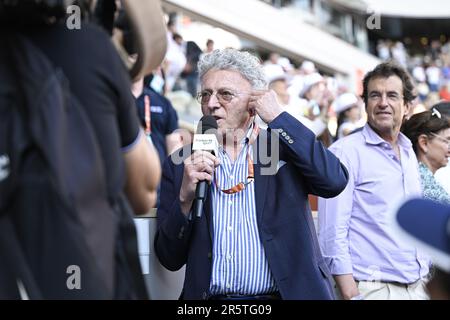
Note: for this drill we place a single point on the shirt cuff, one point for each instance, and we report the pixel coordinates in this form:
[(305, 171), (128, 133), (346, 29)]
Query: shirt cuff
[(339, 265), (278, 121), (180, 225)]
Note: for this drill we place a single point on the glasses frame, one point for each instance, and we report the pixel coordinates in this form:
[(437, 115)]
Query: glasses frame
[(441, 138), (219, 96)]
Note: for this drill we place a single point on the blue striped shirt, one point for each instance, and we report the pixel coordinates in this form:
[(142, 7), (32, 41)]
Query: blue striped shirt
[(239, 261)]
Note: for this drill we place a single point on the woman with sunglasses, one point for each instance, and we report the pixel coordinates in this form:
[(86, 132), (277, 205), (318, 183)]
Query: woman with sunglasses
[(429, 133)]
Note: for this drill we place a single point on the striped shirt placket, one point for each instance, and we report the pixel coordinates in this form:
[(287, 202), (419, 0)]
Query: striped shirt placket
[(239, 262)]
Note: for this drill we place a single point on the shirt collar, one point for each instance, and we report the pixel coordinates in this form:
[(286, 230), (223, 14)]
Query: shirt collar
[(244, 140), (372, 137)]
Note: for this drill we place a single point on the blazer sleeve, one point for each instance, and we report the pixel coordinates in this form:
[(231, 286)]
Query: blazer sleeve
[(324, 174), (174, 229)]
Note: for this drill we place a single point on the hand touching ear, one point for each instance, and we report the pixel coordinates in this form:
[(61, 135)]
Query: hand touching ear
[(265, 104)]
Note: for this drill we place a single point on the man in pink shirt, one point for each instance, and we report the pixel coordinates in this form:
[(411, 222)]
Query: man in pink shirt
[(365, 257)]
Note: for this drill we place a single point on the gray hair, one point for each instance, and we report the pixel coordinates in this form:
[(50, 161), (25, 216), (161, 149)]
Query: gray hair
[(231, 59)]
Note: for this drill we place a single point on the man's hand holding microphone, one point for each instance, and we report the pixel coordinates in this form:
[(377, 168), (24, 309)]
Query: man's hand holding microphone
[(199, 167)]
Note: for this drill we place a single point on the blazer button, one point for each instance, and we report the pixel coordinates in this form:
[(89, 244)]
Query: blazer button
[(291, 141), (284, 134), (209, 255), (287, 137), (204, 296), (280, 130)]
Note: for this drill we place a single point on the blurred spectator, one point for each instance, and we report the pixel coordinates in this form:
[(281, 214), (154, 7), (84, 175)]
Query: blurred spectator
[(296, 85), (209, 46), (159, 120), (285, 64), (419, 74), (383, 50), (307, 67), (314, 91), (430, 69), (175, 61), (446, 69), (157, 81), (416, 107), (273, 58), (279, 84), (319, 98), (348, 110), (444, 93), (162, 122), (433, 77), (435, 49), (190, 73), (399, 54), (423, 91), (429, 133), (431, 100), (293, 105), (443, 174)]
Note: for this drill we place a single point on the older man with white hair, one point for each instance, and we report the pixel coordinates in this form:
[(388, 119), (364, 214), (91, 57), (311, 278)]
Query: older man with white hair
[(247, 244)]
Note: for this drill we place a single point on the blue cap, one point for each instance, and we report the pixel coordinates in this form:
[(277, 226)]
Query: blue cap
[(428, 223)]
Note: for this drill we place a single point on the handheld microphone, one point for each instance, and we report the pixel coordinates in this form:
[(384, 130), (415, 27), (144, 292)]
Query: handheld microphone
[(204, 140)]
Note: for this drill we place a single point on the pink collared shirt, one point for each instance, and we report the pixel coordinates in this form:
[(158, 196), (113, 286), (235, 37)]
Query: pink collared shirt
[(355, 232)]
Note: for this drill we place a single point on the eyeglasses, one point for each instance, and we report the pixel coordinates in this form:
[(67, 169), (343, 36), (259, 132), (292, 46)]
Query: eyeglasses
[(223, 96), (446, 140), (393, 97)]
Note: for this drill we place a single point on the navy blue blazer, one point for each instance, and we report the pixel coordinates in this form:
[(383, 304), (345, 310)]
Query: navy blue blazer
[(285, 223)]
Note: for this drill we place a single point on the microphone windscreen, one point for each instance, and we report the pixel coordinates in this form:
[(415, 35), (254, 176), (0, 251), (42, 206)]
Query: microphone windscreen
[(206, 123)]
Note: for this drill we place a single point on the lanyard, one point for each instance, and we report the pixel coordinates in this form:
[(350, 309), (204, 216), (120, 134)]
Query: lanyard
[(251, 176), (148, 129)]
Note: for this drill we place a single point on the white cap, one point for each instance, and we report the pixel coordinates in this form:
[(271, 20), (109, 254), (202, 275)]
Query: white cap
[(344, 102), (309, 81), (308, 66), (285, 64), (274, 72)]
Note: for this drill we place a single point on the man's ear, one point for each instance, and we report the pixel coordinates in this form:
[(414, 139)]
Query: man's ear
[(251, 111), (422, 143), (408, 109)]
